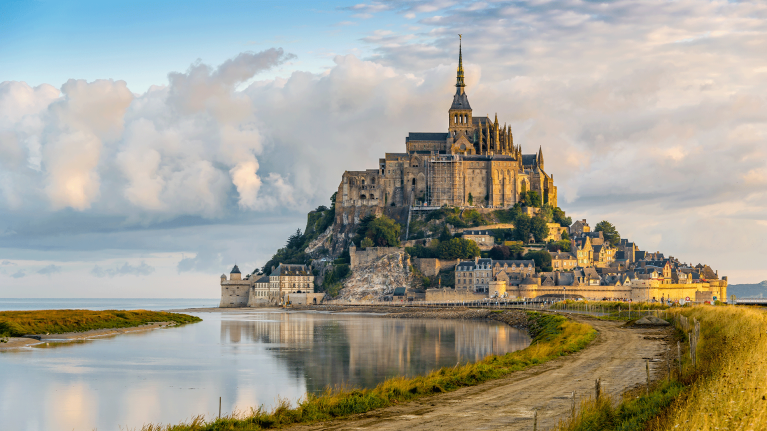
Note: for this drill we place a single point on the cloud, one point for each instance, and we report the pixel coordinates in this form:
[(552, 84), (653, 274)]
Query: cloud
[(18, 274), (6, 262), (49, 270), (126, 269), (650, 115)]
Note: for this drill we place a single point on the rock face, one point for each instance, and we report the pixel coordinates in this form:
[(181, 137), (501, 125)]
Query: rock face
[(371, 281)]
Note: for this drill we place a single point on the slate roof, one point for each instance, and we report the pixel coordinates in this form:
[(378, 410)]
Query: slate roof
[(460, 101), (417, 136), (290, 270), (399, 291), (466, 266), (514, 262), (476, 232), (263, 279), (562, 256), (479, 120), (529, 159), (235, 270)]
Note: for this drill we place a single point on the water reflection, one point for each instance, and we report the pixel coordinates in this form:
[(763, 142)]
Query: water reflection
[(247, 358), (362, 351)]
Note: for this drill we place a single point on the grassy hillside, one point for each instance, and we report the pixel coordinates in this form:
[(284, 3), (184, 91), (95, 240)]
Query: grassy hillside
[(17, 323)]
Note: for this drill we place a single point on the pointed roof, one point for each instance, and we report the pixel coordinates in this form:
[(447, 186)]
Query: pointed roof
[(235, 270), (460, 101)]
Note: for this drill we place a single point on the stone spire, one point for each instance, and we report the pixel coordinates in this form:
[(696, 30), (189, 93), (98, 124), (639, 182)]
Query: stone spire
[(460, 101), (459, 84), (540, 157), (496, 146)]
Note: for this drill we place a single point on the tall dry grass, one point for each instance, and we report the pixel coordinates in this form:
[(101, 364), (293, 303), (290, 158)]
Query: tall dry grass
[(554, 336), (725, 390)]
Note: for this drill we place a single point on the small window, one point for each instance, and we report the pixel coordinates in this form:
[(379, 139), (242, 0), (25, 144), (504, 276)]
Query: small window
[(413, 181)]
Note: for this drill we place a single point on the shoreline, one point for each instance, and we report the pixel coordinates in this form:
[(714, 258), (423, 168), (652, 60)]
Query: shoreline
[(65, 337), (515, 318)]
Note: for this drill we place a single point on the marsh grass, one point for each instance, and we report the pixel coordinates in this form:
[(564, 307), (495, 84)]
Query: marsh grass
[(553, 336), (18, 323), (726, 390)]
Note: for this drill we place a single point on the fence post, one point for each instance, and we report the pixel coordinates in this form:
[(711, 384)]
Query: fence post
[(598, 388), (647, 365), (535, 420), (572, 406)]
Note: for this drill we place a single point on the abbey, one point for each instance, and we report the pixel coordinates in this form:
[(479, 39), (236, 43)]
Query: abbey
[(474, 163)]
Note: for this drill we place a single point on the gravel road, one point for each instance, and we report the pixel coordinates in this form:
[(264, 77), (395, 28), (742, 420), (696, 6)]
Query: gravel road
[(617, 356)]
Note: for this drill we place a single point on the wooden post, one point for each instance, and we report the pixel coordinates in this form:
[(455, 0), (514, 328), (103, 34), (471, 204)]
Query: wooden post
[(535, 420), (572, 406), (598, 388), (647, 365), (219, 408)]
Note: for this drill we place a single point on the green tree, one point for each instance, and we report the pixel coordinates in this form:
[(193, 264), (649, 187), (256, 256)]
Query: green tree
[(471, 199), (522, 228), (609, 232), (565, 235), (516, 250), (557, 246), (533, 199), (500, 252), (539, 229), (559, 217), (444, 235), (458, 248), (542, 260), (546, 213), (366, 242), (362, 229), (384, 232)]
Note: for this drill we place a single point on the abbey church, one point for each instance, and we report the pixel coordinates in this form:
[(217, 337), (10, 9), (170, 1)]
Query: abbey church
[(474, 163)]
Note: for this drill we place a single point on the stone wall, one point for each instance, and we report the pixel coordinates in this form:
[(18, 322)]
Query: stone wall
[(234, 293), (363, 256), (430, 267), (453, 295)]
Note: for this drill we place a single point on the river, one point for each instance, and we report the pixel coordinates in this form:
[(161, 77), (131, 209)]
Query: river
[(248, 358)]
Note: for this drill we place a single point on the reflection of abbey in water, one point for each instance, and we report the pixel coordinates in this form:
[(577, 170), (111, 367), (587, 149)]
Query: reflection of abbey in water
[(362, 351)]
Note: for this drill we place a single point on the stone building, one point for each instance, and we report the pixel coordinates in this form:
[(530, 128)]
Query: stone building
[(476, 275), (286, 283), (475, 162)]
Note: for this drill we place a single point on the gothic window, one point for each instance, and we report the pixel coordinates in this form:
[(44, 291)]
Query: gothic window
[(363, 197)]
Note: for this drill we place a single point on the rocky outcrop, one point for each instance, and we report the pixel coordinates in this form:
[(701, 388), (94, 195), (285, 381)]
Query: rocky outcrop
[(371, 281)]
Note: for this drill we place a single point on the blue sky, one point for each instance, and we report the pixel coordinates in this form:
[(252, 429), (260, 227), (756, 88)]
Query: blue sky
[(140, 42), (146, 147)]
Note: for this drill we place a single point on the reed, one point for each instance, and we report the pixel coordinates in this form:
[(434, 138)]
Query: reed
[(18, 323), (554, 336), (726, 389)]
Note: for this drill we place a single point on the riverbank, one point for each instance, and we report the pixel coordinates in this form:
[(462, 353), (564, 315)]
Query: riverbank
[(24, 328), (18, 342)]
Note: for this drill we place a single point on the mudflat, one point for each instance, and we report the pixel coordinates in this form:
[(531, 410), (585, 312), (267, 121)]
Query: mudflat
[(17, 342), (617, 357)]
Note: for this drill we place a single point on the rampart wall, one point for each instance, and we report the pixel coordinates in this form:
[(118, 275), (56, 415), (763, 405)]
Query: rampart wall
[(430, 267)]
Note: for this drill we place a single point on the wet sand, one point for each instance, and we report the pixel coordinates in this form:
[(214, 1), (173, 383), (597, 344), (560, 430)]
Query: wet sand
[(21, 342)]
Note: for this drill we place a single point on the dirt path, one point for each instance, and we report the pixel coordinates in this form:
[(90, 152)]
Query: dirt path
[(616, 356)]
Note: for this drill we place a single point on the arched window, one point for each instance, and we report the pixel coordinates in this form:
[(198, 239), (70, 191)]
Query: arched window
[(413, 181), (363, 197), (372, 196), (372, 180), (455, 119), (363, 182)]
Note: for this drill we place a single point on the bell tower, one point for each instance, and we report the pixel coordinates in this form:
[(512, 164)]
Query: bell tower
[(459, 115)]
